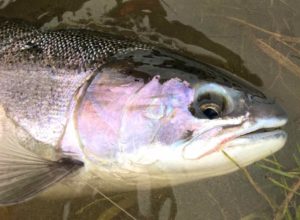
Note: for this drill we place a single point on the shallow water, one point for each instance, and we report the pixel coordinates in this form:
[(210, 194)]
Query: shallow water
[(240, 36)]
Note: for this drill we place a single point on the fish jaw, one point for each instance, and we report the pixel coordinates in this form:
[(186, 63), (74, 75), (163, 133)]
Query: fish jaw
[(163, 163), (222, 152), (231, 130)]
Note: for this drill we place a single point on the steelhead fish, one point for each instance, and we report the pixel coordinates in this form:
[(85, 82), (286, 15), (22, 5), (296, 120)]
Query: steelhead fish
[(120, 112)]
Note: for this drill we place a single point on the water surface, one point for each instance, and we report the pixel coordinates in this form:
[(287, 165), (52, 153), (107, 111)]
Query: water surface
[(258, 40)]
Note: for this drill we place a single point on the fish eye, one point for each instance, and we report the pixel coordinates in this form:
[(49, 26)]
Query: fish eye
[(209, 105), (211, 110)]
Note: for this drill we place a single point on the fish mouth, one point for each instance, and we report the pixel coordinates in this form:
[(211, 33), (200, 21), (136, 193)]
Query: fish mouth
[(255, 137), (260, 133)]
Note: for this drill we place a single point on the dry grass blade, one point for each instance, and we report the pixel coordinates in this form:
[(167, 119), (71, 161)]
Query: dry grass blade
[(288, 45), (283, 186), (278, 57), (280, 172), (114, 211), (82, 209), (284, 205), (252, 182), (276, 35), (273, 162), (112, 202)]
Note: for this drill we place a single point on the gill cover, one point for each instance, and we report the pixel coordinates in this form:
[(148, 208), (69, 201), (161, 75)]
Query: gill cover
[(121, 113)]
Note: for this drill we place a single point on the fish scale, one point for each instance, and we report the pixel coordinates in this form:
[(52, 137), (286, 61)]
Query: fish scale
[(50, 66), (69, 48)]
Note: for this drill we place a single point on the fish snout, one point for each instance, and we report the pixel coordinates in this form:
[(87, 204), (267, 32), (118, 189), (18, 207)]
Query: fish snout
[(268, 111)]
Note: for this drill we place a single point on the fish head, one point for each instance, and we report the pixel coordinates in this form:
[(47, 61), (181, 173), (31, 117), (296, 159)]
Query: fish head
[(232, 127), (181, 130)]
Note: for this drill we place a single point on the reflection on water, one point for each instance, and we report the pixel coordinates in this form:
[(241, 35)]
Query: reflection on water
[(258, 40)]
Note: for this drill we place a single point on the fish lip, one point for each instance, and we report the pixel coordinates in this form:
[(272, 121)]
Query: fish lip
[(266, 131), (264, 134), (261, 133)]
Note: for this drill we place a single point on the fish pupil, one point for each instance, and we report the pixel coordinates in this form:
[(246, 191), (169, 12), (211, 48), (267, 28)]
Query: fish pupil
[(210, 113)]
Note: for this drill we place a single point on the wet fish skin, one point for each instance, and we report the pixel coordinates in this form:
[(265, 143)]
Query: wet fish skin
[(129, 112), (50, 67)]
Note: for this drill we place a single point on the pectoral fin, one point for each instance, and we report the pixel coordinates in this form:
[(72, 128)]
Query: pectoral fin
[(23, 174)]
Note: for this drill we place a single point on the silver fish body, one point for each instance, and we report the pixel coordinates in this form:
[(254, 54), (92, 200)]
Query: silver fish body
[(118, 112)]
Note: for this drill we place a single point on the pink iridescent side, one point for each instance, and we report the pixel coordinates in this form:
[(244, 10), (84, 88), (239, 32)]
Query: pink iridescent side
[(120, 113)]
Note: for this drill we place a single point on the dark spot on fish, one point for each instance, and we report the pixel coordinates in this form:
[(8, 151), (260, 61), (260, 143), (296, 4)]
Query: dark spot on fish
[(187, 135), (32, 48)]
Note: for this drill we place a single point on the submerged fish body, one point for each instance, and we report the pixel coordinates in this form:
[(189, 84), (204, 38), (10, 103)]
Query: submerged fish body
[(120, 113)]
